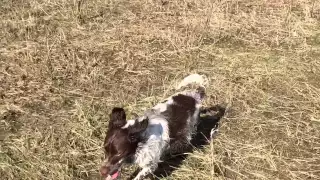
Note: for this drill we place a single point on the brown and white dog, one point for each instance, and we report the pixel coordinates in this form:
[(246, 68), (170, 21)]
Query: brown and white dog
[(166, 128)]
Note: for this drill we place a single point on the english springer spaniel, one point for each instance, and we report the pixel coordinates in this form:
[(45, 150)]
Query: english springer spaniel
[(166, 128)]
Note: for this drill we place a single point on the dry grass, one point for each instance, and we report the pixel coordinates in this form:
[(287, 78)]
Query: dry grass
[(65, 64)]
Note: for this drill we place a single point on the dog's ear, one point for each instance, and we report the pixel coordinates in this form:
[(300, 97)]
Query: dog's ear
[(136, 129), (117, 117)]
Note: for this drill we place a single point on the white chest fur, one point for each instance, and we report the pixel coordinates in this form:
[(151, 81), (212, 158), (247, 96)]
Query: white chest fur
[(156, 139)]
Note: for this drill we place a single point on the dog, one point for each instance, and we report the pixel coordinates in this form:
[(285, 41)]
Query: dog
[(166, 128)]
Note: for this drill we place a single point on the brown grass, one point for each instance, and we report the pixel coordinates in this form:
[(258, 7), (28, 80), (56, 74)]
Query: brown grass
[(65, 64)]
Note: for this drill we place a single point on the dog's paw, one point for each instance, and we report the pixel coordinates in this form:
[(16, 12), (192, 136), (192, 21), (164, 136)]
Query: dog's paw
[(214, 132)]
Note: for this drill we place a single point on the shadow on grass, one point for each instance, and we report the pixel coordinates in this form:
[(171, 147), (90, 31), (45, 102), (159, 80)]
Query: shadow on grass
[(206, 124)]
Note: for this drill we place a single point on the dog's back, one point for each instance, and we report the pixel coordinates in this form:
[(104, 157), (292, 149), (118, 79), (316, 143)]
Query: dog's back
[(171, 125)]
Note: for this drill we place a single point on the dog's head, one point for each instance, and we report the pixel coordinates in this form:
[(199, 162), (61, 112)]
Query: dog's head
[(121, 142)]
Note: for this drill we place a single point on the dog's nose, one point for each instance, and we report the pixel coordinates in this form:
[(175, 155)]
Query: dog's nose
[(104, 171)]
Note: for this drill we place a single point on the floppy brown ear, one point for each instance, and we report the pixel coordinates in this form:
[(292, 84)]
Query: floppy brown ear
[(135, 130), (117, 117)]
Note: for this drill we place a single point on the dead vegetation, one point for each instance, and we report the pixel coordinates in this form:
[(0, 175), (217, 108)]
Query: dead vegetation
[(65, 64)]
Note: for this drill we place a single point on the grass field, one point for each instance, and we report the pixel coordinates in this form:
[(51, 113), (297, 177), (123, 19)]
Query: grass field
[(65, 64)]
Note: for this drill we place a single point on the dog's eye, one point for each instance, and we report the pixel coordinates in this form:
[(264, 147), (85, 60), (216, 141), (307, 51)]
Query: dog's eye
[(132, 138)]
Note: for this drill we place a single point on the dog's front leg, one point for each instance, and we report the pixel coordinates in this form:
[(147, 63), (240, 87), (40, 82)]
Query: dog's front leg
[(214, 131), (145, 171)]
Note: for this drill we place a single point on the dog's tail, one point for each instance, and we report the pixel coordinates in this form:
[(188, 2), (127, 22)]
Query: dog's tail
[(197, 81), (194, 79)]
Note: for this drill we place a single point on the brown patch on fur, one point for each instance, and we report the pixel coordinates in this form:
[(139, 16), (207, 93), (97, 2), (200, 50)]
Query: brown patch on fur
[(178, 113)]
